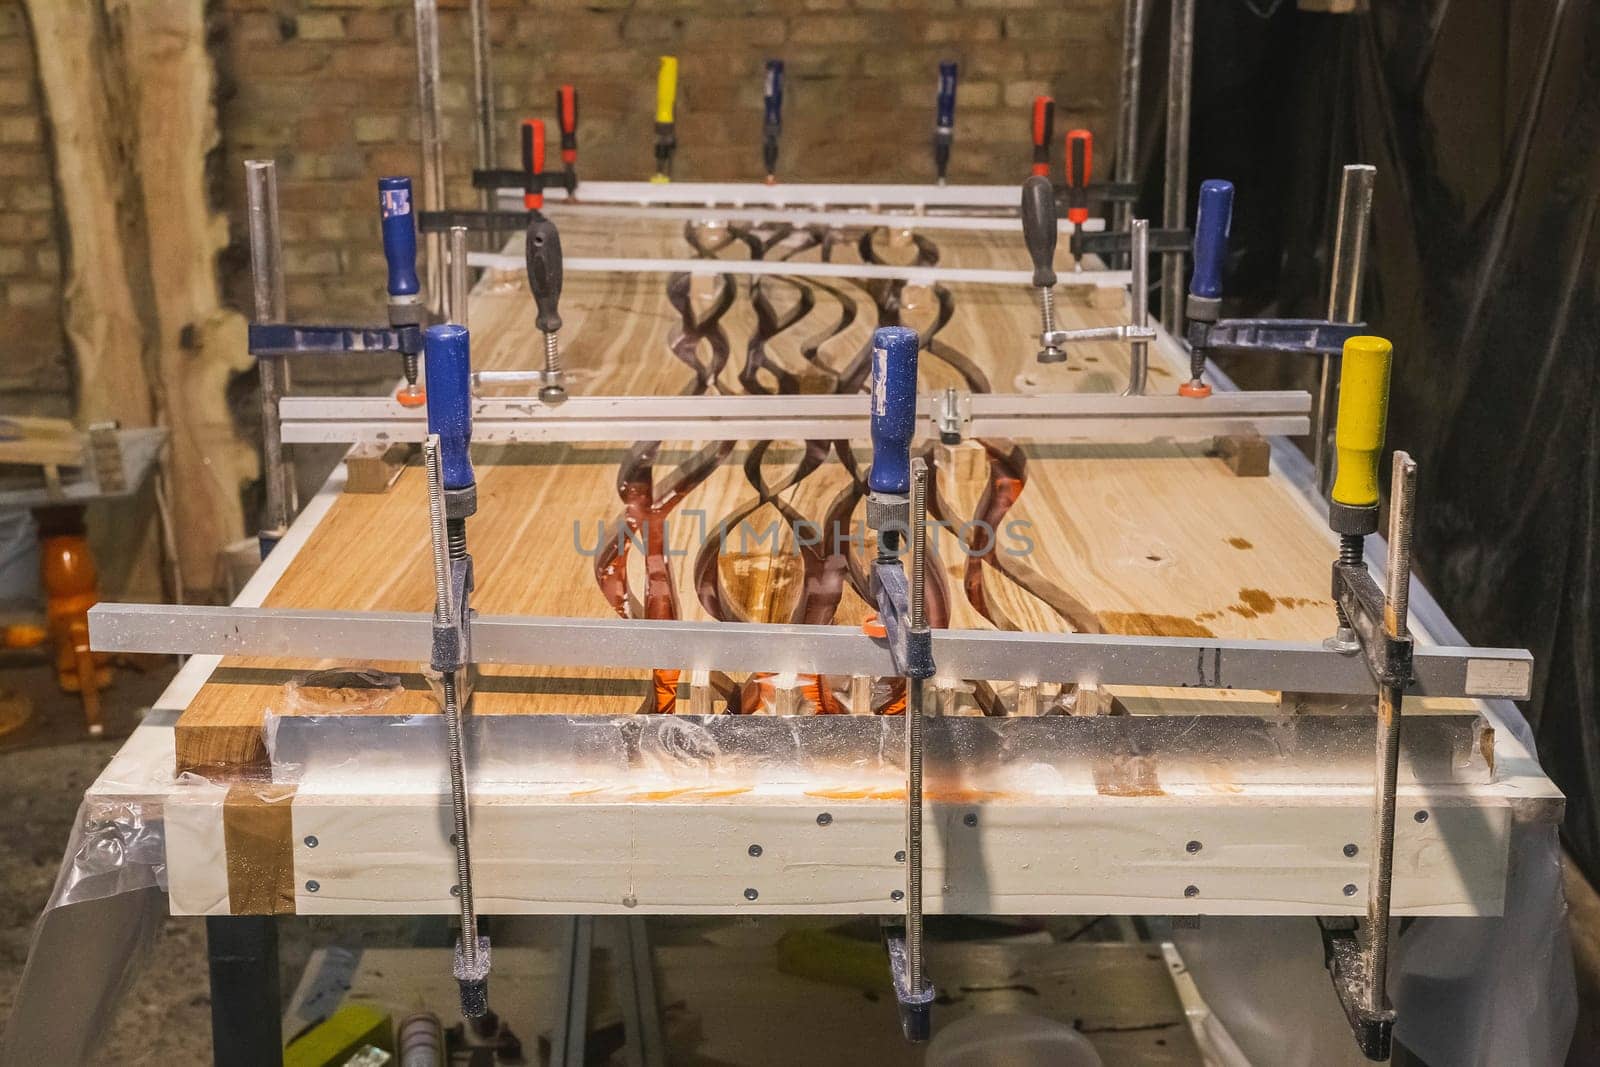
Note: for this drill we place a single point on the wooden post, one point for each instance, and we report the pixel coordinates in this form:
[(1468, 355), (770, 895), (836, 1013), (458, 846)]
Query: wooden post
[(128, 90), (199, 345)]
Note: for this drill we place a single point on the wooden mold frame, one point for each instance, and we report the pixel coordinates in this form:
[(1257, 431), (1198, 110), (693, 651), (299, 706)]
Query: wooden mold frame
[(1154, 539)]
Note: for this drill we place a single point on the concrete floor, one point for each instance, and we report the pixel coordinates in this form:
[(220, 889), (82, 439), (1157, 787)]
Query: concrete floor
[(165, 1016)]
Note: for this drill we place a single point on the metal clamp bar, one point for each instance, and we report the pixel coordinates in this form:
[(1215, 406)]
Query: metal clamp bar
[(276, 339), (1125, 332), (1071, 417), (1105, 659), (1120, 242), (518, 181), (1311, 336), (1175, 183), (266, 273), (478, 221)]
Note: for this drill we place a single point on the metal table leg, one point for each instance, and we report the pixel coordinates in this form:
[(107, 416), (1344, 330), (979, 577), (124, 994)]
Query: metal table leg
[(246, 1011), (572, 1017)]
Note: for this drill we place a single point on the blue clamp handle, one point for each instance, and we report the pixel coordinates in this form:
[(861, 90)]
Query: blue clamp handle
[(399, 235), (894, 408), (448, 365), (772, 96), (946, 119), (1212, 220)]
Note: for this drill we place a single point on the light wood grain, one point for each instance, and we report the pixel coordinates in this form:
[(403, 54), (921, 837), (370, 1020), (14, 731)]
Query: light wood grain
[(1158, 539)]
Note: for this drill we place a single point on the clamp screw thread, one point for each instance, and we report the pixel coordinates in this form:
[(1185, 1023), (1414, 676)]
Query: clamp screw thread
[(552, 356)]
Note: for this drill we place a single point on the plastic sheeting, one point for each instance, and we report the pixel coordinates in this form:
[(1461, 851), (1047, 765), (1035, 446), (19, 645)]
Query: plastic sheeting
[(1483, 119)]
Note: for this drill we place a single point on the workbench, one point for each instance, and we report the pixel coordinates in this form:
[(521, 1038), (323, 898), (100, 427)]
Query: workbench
[(282, 790), (1156, 539)]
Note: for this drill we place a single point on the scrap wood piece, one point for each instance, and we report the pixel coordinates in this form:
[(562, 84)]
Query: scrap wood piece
[(373, 466)]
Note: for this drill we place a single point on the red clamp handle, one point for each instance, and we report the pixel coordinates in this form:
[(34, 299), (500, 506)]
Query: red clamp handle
[(1080, 154), (567, 110), (533, 163), (1044, 123)]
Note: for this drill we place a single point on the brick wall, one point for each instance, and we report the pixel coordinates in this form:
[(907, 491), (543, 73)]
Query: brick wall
[(328, 87), (34, 366)]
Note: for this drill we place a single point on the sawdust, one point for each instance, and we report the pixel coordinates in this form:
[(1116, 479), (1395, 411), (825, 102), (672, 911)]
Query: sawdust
[(1128, 776)]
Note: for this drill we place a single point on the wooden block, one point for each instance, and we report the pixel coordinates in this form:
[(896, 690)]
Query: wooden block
[(105, 455), (1248, 456), (372, 467)]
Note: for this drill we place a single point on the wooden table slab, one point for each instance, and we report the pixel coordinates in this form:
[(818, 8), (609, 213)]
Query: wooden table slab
[(1156, 539)]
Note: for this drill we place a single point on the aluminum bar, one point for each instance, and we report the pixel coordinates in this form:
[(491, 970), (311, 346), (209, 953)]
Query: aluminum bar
[(865, 271), (789, 194), (1067, 417), (1106, 659), (991, 223)]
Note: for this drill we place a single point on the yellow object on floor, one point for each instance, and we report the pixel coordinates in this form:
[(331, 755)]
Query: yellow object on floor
[(341, 1035)]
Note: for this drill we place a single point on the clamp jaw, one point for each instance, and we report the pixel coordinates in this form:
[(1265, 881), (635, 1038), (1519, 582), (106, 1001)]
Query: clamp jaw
[(452, 499), (897, 507), (544, 279), (1373, 622), (772, 118), (944, 122), (1039, 233), (407, 314), (1206, 331)]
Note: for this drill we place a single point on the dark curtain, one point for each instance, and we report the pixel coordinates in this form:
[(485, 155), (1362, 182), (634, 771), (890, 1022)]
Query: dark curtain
[(1483, 119)]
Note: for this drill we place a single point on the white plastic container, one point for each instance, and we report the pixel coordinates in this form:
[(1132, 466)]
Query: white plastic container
[(19, 559), (1010, 1040)]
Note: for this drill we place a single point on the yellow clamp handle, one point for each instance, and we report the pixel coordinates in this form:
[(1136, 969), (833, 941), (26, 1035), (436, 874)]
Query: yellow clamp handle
[(666, 88), (1363, 413)]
